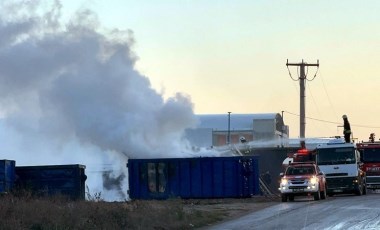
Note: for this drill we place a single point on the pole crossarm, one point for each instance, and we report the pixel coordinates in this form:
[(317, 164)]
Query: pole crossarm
[(301, 63)]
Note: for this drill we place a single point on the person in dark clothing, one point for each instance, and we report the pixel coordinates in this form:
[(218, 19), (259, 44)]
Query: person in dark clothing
[(346, 129)]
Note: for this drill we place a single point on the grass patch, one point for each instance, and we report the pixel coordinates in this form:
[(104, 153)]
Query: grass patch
[(40, 213)]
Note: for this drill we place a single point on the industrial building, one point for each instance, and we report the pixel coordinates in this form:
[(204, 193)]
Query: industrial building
[(223, 129)]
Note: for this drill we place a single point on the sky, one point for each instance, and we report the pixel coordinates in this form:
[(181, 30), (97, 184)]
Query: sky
[(230, 56), (98, 82)]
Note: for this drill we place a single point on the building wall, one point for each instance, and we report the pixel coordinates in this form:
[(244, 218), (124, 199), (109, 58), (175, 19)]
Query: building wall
[(252, 127), (221, 138)]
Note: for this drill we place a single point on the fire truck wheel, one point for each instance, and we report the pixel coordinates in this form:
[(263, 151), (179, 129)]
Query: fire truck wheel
[(291, 198), (284, 198), (317, 195)]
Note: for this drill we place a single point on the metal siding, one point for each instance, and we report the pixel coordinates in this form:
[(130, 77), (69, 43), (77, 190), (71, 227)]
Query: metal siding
[(209, 177), (132, 188), (249, 183), (218, 179), (7, 175), (231, 181), (53, 179), (256, 182), (173, 178), (196, 177), (241, 179), (207, 184), (142, 169), (184, 179)]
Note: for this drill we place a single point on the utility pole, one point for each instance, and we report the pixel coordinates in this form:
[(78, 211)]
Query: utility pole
[(229, 128), (302, 78), (282, 129)]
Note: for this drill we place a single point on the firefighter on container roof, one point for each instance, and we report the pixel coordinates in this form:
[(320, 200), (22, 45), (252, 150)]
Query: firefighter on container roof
[(346, 129)]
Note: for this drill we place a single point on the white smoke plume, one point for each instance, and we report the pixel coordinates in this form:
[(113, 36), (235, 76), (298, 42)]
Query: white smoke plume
[(70, 93)]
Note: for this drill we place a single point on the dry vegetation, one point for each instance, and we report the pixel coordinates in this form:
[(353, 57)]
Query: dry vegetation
[(28, 212)]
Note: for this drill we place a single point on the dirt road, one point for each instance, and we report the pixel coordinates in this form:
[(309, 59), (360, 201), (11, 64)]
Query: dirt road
[(232, 208)]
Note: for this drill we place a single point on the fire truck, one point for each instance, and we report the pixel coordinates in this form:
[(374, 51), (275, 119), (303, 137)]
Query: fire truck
[(340, 162), (370, 156)]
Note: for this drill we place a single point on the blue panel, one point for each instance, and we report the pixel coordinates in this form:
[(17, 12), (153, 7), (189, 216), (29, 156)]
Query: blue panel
[(184, 179), (207, 179), (196, 177), (218, 178), (7, 175), (255, 177), (174, 187), (230, 180), (136, 178)]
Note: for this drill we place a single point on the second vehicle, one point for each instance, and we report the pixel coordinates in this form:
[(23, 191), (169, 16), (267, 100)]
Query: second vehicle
[(302, 179)]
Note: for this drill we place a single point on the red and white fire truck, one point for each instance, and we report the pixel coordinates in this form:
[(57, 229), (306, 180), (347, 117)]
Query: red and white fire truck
[(370, 156)]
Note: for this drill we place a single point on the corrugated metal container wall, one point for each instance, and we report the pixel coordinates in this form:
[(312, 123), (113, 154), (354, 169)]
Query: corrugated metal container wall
[(206, 177), (7, 175), (66, 180)]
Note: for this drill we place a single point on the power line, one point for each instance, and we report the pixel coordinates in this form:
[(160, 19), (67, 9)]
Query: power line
[(314, 74), (328, 97), (290, 74), (332, 122), (312, 97)]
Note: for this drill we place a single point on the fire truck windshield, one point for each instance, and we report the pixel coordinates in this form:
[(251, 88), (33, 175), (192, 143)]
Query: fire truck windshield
[(370, 155), (336, 156)]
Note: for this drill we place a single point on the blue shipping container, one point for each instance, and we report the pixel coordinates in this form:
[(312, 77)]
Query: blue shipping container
[(48, 180), (7, 175), (205, 177)]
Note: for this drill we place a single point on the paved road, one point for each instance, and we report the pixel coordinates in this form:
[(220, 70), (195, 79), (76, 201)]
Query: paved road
[(338, 212)]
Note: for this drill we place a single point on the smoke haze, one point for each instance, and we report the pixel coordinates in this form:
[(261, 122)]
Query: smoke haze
[(70, 94)]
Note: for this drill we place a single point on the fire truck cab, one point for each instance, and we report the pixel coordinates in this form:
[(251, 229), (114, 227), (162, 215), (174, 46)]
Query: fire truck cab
[(370, 157), (340, 161)]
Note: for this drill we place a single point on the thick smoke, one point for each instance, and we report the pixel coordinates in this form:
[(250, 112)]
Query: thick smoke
[(70, 93)]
